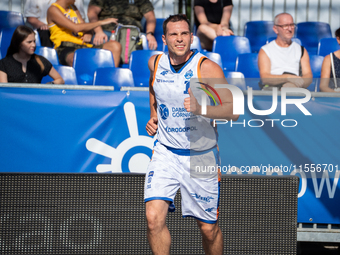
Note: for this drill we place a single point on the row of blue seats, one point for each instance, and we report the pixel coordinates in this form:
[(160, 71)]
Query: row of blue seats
[(229, 47), (88, 61), (106, 76), (258, 32), (123, 77)]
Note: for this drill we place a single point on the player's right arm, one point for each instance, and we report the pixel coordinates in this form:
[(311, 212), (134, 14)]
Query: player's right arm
[(152, 125)]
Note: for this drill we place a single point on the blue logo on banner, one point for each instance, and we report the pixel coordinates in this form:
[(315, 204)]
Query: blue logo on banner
[(164, 111), (189, 74)]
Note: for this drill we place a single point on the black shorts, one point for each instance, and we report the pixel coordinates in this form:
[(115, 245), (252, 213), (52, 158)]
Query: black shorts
[(66, 48)]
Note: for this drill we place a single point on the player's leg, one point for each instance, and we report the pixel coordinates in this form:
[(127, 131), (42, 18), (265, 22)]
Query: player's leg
[(212, 238), (157, 231), (116, 49)]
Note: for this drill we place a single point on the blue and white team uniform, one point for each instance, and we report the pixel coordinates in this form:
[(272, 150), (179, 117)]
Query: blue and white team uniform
[(185, 144)]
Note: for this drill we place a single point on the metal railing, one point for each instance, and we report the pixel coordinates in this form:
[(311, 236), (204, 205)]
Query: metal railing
[(245, 10)]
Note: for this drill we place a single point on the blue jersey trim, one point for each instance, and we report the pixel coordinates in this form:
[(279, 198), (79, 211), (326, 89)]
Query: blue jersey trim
[(158, 198), (188, 152), (189, 60), (206, 221)]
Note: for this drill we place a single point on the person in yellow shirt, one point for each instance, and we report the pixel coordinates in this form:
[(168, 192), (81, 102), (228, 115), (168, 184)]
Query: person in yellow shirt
[(69, 32)]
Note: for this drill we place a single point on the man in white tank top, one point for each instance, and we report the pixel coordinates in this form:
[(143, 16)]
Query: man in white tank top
[(282, 62), (175, 113)]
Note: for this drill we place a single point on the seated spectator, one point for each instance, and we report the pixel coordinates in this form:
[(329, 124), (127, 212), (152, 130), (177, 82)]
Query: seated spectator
[(35, 12), (69, 32), (127, 13), (212, 19), (330, 82), (21, 65), (282, 62)]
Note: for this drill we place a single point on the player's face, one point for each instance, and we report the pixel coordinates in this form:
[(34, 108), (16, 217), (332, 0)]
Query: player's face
[(28, 45), (286, 27), (178, 38)]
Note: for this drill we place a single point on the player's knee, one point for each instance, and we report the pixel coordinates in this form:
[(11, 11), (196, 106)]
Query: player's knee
[(209, 231), (153, 219)]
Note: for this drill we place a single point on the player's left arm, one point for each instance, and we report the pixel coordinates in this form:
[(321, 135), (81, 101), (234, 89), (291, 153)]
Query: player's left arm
[(152, 125), (212, 72)]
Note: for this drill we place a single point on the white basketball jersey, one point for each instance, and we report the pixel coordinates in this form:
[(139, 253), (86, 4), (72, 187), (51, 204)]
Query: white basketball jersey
[(178, 128)]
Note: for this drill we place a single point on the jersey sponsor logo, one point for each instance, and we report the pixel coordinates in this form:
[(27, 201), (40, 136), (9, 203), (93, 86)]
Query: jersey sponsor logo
[(180, 112), (166, 81), (201, 199), (164, 72), (164, 111), (188, 74), (151, 173), (209, 209), (179, 129)]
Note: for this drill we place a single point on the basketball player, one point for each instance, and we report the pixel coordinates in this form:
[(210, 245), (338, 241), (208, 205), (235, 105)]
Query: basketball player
[(175, 116)]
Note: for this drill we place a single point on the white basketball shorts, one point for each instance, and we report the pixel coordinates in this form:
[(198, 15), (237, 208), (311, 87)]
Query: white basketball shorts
[(171, 169)]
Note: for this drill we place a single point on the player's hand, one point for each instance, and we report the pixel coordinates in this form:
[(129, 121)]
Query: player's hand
[(191, 104), (99, 38), (152, 126)]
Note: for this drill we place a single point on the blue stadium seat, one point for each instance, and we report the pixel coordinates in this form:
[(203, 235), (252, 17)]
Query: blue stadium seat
[(310, 33), (49, 53), (5, 40), (229, 47), (37, 39), (327, 46), (196, 44), (67, 72), (138, 64), (11, 19), (214, 57), (159, 33), (87, 60), (294, 39), (235, 78), (247, 64), (258, 33), (316, 64), (117, 77)]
